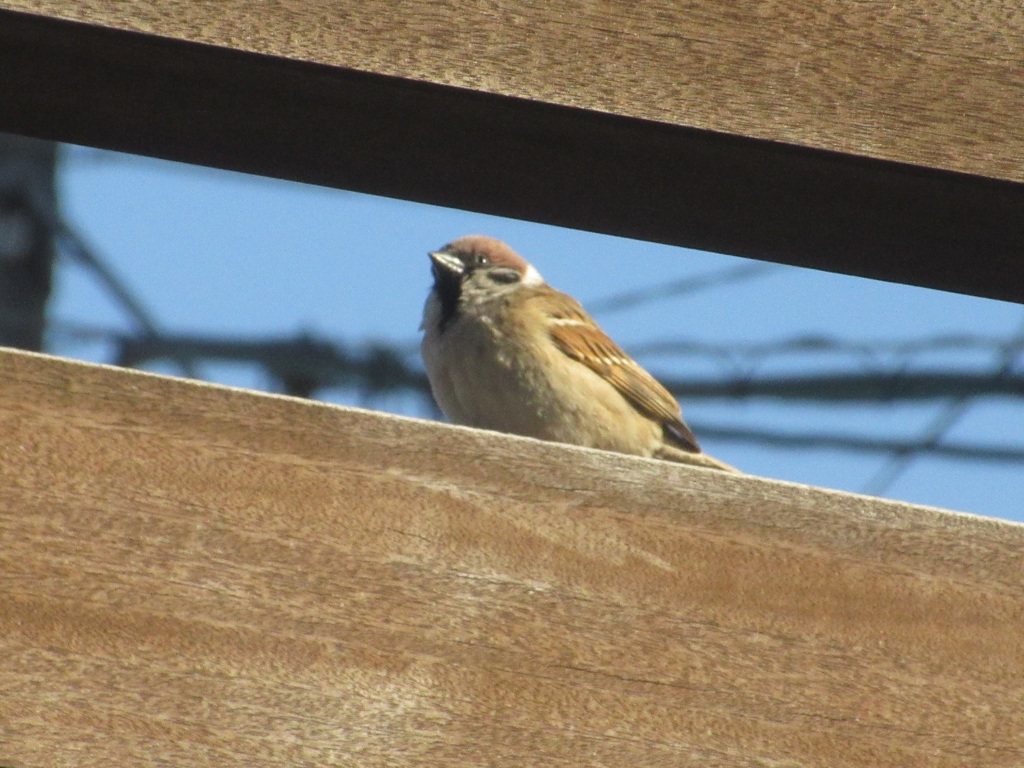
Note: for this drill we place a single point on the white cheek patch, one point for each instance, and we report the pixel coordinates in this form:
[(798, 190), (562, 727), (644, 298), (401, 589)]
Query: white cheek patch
[(531, 276)]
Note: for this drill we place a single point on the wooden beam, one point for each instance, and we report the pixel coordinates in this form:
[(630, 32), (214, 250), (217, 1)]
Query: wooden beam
[(193, 575), (870, 139)]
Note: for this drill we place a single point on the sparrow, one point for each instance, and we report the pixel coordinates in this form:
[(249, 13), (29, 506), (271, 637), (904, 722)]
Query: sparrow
[(507, 352)]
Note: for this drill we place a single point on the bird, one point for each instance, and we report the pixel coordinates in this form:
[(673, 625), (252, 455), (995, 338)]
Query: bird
[(505, 351)]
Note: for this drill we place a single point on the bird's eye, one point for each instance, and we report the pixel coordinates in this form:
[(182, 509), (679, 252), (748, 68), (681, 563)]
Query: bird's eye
[(504, 275)]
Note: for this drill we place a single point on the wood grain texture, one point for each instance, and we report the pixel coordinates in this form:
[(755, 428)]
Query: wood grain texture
[(833, 135), (938, 84), (194, 575)]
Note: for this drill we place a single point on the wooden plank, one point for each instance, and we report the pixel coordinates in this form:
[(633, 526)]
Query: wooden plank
[(933, 84), (192, 575), (867, 139)]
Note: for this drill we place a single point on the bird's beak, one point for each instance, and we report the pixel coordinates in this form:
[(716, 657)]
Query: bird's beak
[(446, 263)]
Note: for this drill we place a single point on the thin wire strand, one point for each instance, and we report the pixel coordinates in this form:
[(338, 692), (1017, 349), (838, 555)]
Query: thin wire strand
[(901, 459), (123, 295), (692, 284)]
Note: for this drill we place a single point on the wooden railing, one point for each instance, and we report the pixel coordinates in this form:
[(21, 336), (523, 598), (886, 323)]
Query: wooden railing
[(193, 575)]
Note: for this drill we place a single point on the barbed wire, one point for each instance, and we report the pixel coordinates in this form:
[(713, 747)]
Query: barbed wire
[(778, 438), (901, 458), (819, 344), (73, 244), (305, 364), (387, 367)]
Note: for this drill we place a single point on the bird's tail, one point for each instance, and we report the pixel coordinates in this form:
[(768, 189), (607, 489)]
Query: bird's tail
[(698, 459)]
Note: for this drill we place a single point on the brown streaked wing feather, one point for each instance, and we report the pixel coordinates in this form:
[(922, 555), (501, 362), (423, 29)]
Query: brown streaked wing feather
[(588, 344)]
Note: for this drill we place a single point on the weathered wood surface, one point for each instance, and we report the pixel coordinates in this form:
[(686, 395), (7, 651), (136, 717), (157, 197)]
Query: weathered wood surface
[(829, 134), (191, 575), (938, 84)]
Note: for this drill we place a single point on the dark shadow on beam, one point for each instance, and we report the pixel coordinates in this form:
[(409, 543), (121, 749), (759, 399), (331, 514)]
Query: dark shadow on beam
[(527, 160)]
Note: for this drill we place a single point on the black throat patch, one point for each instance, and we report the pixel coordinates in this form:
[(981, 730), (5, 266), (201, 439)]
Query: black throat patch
[(448, 286)]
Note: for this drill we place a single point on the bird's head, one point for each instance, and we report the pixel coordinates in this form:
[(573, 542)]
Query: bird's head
[(480, 268)]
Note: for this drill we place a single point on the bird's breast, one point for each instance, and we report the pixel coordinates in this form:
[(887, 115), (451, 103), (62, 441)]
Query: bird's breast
[(490, 376)]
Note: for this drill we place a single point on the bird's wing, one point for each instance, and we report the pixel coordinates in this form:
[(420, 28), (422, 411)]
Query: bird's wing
[(579, 337)]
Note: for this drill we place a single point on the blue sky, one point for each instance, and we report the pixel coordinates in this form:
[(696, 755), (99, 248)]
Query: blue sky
[(227, 254)]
